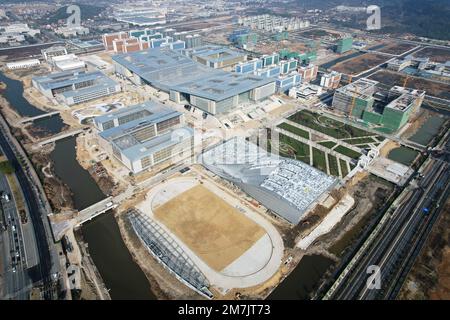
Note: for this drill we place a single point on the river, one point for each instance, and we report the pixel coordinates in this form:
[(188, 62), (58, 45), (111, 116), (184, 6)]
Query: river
[(121, 274), (14, 94), (303, 280)]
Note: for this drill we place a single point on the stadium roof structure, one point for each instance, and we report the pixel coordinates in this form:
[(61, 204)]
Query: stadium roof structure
[(287, 187), (169, 70), (214, 53)]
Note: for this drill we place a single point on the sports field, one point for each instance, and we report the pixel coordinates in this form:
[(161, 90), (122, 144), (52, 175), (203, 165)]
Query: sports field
[(209, 226)]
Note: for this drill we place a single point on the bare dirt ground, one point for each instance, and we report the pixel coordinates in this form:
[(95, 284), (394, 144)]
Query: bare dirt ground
[(397, 48), (430, 276), (360, 63), (213, 229), (435, 54), (432, 88)]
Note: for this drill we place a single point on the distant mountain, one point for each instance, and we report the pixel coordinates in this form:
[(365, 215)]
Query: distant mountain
[(427, 18)]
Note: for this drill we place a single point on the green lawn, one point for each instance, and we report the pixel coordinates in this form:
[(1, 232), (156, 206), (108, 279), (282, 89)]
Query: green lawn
[(344, 169), (347, 152), (298, 150), (326, 125), (294, 130), (328, 144), (360, 140), (319, 161), (333, 164)]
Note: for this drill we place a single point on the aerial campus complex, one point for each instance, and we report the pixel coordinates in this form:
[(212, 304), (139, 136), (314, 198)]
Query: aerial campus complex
[(184, 150)]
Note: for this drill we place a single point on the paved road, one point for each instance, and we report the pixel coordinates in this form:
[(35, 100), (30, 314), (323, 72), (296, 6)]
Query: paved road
[(399, 232), (42, 273), (16, 280)]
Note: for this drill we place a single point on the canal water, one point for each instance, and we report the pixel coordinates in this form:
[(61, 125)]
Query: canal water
[(14, 94), (120, 273), (122, 276), (428, 130), (303, 280), (403, 155)]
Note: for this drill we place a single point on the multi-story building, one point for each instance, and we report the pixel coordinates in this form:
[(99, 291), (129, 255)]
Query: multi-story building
[(53, 52), (23, 64), (211, 90), (344, 45), (355, 97), (308, 72), (286, 82), (390, 111), (75, 87), (216, 57), (145, 135), (330, 80)]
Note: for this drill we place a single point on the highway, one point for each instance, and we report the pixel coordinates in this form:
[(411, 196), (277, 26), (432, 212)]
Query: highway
[(15, 277), (42, 273), (398, 239)]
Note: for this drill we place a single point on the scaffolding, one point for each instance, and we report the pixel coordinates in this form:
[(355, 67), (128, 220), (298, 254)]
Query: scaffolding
[(167, 251)]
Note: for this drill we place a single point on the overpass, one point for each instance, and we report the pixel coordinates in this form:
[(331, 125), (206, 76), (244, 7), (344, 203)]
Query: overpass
[(94, 210), (57, 137), (41, 116)]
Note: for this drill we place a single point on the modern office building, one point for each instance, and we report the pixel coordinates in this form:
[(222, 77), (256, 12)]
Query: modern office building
[(75, 87), (357, 96), (391, 111), (330, 80), (286, 82), (216, 57), (308, 72), (145, 135), (344, 45), (211, 90)]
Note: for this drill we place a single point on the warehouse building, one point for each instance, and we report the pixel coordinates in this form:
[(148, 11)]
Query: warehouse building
[(67, 62), (53, 52), (211, 90), (145, 135), (75, 87)]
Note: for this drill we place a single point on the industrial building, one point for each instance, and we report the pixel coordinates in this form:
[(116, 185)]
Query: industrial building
[(344, 45), (75, 87), (362, 100), (216, 57), (23, 64), (330, 80), (145, 135), (211, 90)]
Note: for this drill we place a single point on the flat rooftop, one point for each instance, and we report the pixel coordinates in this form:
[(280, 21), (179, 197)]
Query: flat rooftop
[(169, 70), (362, 88), (68, 78), (214, 53)]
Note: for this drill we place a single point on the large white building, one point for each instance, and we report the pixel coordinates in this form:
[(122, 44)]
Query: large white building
[(145, 135), (23, 64)]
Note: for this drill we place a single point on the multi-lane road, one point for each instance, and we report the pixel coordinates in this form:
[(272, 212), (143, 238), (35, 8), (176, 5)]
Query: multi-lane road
[(396, 241), (45, 272)]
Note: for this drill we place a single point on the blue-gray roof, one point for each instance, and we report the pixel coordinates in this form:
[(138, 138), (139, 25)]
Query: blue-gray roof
[(169, 70), (214, 53), (68, 78), (151, 146)]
